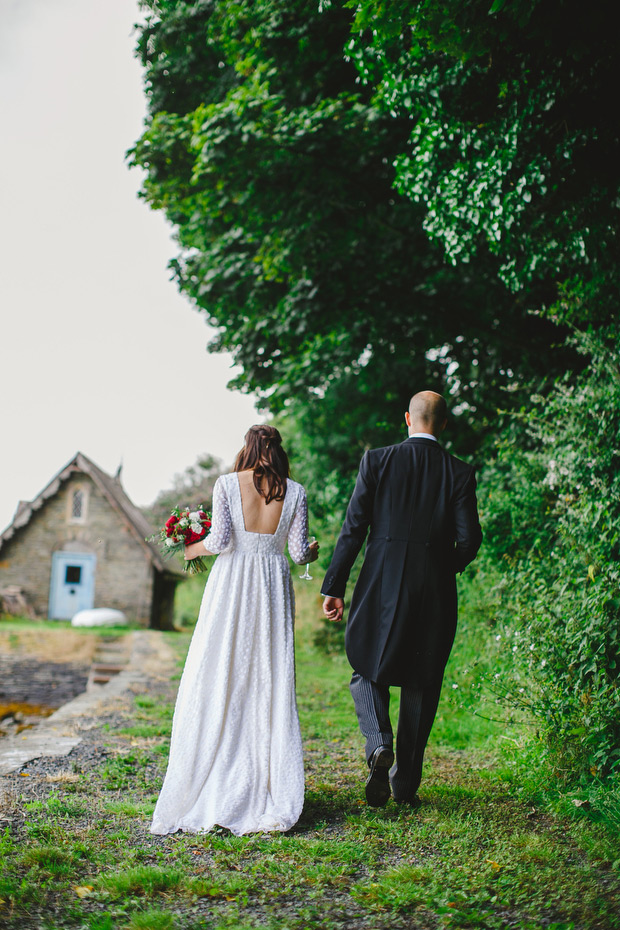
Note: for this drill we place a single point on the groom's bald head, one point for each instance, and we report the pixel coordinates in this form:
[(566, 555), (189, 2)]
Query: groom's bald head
[(427, 413)]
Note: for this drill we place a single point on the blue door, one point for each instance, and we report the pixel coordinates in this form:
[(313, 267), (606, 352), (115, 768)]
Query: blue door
[(72, 587)]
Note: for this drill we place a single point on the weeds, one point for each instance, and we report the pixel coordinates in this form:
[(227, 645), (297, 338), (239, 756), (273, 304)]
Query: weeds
[(142, 881)]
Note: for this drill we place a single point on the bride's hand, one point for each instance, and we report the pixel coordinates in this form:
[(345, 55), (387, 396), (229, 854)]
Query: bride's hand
[(314, 551), (195, 550)]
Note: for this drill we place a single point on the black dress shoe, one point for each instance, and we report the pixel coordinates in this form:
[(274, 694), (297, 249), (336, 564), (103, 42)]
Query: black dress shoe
[(378, 781)]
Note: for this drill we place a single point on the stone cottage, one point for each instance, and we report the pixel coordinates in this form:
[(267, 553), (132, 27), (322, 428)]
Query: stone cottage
[(82, 543)]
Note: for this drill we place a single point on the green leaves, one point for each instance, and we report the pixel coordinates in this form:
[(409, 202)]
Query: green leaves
[(552, 508), (277, 167), (509, 150)]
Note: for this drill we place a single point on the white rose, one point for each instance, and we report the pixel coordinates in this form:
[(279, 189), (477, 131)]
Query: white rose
[(170, 542), (196, 528), (194, 517)]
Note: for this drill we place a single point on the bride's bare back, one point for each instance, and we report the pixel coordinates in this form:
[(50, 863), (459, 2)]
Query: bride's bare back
[(258, 516)]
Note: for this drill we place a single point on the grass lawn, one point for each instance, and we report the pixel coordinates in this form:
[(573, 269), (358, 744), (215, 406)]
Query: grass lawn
[(76, 852)]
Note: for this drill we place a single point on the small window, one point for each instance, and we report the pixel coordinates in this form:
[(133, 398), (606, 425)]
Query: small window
[(73, 574), (77, 505)]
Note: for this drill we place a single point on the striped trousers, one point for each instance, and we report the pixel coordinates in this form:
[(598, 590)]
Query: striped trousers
[(418, 707)]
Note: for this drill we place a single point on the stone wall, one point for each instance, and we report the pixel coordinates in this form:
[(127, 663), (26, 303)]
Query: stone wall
[(123, 574)]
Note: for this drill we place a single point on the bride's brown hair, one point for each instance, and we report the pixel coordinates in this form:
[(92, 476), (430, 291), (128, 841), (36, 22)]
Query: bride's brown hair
[(264, 455)]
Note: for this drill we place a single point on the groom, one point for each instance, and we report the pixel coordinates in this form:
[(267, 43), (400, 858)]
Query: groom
[(419, 503)]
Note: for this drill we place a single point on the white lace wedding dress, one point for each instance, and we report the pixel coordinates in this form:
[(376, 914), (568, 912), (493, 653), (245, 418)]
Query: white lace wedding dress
[(235, 753)]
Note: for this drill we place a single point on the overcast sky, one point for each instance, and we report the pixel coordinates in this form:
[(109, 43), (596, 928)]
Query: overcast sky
[(98, 351)]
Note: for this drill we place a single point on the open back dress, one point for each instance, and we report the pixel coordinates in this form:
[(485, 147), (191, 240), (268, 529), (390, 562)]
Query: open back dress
[(235, 753)]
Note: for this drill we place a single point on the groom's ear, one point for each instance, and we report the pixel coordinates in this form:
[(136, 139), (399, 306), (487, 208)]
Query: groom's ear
[(407, 418)]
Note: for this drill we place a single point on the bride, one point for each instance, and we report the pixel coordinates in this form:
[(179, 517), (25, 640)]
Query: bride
[(235, 753)]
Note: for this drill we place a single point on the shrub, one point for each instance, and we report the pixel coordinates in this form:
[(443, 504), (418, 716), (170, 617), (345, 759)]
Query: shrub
[(551, 506)]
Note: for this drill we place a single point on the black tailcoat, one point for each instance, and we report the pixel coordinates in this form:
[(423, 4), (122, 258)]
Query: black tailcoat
[(420, 505)]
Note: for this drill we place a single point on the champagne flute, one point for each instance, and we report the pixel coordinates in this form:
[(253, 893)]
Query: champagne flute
[(306, 575)]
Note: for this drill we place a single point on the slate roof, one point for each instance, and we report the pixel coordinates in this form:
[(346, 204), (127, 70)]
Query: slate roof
[(115, 495)]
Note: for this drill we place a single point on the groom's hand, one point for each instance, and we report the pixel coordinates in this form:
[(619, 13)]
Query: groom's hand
[(333, 608)]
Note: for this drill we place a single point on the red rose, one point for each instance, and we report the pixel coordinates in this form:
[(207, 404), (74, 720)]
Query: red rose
[(171, 525), (191, 537)]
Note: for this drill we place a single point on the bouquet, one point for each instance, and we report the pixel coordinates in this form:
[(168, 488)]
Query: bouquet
[(182, 528)]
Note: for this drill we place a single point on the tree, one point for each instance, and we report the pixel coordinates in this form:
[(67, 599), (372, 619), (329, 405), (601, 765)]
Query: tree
[(514, 149), (275, 166), (193, 487)]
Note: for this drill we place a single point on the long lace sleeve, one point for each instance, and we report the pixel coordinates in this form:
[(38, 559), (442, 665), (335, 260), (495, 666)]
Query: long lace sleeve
[(298, 532), (221, 521)]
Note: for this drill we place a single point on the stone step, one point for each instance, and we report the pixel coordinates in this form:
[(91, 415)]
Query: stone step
[(103, 668), (107, 663)]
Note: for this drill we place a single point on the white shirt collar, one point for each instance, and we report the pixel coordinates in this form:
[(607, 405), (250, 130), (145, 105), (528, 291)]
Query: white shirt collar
[(422, 436)]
